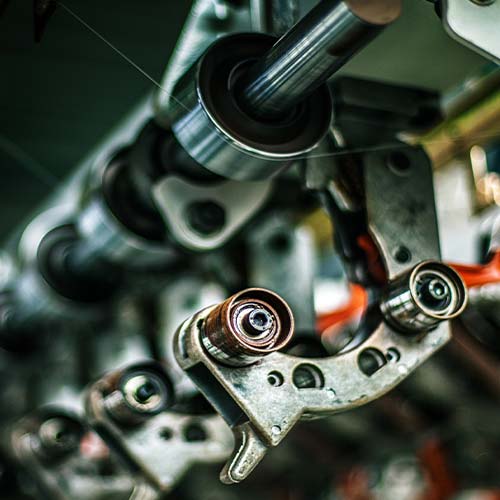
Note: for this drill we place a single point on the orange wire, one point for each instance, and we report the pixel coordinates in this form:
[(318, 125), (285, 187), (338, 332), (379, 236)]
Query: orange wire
[(357, 304), (473, 275)]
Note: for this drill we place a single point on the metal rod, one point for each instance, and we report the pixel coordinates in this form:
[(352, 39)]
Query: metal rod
[(315, 48)]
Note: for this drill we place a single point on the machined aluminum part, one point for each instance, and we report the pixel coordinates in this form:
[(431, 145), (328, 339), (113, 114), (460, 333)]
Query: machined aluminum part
[(165, 445), (475, 24), (218, 135), (402, 222), (238, 200)]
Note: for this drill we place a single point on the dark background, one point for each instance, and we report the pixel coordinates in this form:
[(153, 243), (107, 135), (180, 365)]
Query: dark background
[(60, 97)]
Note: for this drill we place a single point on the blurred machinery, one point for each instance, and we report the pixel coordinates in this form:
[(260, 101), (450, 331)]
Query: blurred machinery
[(266, 262)]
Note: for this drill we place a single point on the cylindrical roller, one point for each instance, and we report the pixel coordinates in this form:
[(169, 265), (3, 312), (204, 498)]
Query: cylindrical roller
[(247, 326), (419, 300), (217, 134), (140, 392), (236, 111), (59, 435), (314, 49)]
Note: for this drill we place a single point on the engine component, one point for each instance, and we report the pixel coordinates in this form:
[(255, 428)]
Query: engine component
[(132, 410)]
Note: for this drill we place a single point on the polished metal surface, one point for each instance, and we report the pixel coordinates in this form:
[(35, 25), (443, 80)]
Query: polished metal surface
[(475, 24), (240, 201), (419, 300), (214, 131), (207, 21), (305, 57)]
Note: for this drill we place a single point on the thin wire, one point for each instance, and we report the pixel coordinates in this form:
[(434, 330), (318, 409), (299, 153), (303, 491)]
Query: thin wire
[(28, 162), (119, 52)]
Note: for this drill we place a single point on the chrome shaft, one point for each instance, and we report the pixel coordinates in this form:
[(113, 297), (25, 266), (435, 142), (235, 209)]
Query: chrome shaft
[(315, 48)]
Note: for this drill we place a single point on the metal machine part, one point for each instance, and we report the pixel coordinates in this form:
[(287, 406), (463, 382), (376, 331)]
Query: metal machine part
[(205, 23), (220, 107), (132, 411), (67, 460), (248, 326), (204, 217), (236, 111), (475, 24), (217, 134), (302, 60), (363, 371), (283, 258), (418, 301)]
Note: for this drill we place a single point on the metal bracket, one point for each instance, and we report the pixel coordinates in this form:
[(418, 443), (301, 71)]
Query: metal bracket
[(238, 200), (303, 387), (161, 449), (474, 23), (282, 259)]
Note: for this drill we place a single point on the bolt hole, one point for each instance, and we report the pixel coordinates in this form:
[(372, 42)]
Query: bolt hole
[(280, 243), (194, 433), (166, 434), (370, 361), (275, 379), (206, 217), (308, 377), (393, 354), (402, 255), (399, 163)]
